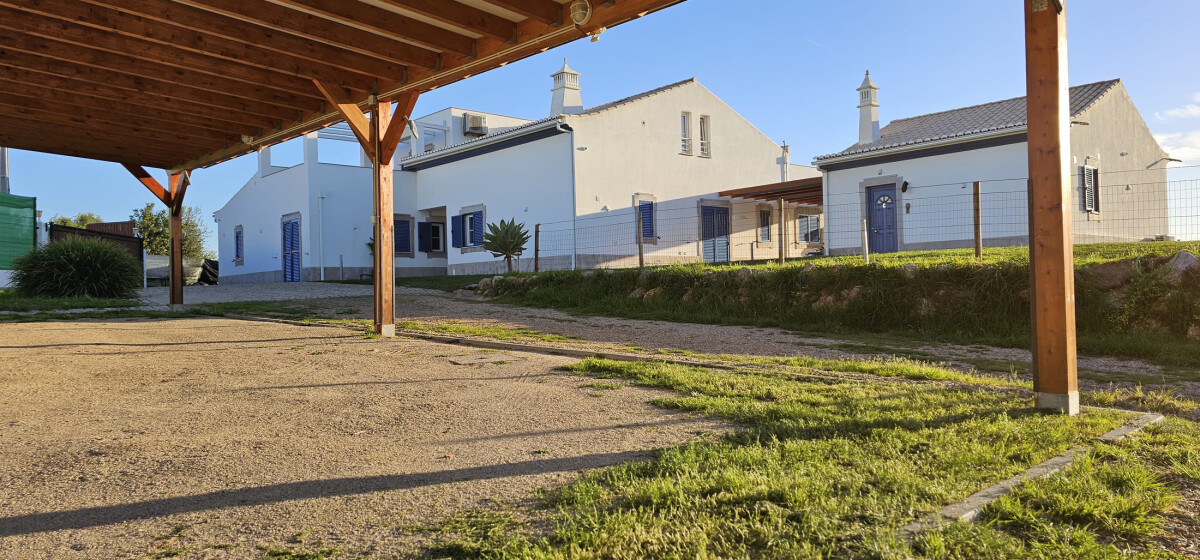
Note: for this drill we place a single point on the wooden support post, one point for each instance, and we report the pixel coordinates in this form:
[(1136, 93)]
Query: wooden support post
[(641, 249), (782, 230), (537, 246), (978, 221), (172, 197), (379, 137), (1052, 282)]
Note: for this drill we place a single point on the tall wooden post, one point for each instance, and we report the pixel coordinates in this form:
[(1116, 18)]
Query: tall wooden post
[(1052, 282), (383, 208), (379, 137), (172, 197), (978, 221)]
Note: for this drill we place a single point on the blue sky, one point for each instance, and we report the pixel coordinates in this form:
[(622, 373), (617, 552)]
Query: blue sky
[(790, 67)]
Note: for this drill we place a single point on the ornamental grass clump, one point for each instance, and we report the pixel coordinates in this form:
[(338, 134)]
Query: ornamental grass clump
[(77, 267)]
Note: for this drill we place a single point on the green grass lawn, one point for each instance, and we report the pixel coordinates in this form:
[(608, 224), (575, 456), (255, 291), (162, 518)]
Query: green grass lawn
[(10, 301), (831, 469)]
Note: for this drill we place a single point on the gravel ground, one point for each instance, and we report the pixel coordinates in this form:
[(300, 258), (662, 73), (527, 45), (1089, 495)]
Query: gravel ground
[(157, 297), (228, 438)]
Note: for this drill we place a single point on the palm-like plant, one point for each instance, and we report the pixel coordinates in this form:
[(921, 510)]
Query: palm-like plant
[(506, 239)]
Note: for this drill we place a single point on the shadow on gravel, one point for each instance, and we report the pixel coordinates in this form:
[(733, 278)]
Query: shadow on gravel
[(309, 489)]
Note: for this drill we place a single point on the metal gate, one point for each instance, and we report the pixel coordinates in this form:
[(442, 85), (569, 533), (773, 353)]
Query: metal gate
[(291, 250), (714, 233)]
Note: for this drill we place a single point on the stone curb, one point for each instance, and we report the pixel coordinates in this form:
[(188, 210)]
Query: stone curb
[(970, 508)]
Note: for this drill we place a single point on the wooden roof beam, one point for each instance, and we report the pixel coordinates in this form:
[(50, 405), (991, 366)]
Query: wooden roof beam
[(215, 25), (51, 73), (34, 122), (461, 16), (545, 11), (52, 111), (112, 151), (387, 23), (78, 56), (316, 28), (68, 96), (91, 18), (56, 38)]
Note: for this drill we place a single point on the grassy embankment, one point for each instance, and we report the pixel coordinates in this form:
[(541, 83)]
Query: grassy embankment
[(822, 468), (931, 296)]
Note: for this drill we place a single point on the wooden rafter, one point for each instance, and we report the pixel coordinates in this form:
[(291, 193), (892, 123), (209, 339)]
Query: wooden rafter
[(461, 16), (545, 11), (387, 23)]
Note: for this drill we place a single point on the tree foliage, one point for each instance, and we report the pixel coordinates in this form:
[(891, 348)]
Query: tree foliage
[(80, 220), (155, 228), (506, 239)]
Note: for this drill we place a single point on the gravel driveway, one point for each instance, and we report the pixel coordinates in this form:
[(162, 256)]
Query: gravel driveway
[(229, 439)]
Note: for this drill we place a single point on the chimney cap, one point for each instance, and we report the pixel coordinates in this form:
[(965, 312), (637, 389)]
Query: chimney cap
[(867, 83), (565, 69)]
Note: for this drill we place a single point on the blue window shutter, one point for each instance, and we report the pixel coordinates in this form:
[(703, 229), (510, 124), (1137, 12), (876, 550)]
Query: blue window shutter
[(238, 246), (477, 234), (403, 236), (424, 237), (456, 231), (646, 207)]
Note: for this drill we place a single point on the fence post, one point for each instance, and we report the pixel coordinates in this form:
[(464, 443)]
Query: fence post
[(782, 230), (537, 245), (978, 221), (641, 251), (866, 249)]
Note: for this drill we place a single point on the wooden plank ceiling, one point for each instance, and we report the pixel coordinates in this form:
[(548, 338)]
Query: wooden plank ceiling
[(183, 84)]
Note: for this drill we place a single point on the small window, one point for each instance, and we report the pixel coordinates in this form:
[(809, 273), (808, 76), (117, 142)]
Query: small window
[(764, 226), (239, 246), (685, 128), (705, 137), (808, 228), (466, 230), (1090, 178), (437, 237)]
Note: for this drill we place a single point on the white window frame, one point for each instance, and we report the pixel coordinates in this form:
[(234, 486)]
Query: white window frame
[(1090, 180), (705, 136), (802, 233), (685, 133), (440, 228)]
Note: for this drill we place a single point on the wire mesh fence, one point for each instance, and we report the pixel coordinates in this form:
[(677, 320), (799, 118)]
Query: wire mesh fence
[(1113, 207)]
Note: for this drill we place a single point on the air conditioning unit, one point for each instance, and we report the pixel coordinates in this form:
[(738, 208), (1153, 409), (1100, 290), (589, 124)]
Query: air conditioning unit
[(474, 124)]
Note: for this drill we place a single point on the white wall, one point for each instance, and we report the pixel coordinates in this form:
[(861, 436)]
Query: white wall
[(941, 207), (635, 148), (259, 207)]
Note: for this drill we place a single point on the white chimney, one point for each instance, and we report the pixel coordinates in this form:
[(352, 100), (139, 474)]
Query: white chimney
[(868, 111), (567, 99)]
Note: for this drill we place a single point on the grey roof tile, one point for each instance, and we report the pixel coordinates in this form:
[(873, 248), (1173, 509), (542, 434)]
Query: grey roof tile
[(998, 115)]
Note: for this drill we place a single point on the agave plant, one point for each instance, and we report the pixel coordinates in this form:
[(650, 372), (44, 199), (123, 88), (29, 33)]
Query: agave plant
[(506, 239)]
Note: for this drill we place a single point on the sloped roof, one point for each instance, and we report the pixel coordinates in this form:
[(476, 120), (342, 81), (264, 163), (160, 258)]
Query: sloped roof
[(989, 117), (636, 97), (532, 124)]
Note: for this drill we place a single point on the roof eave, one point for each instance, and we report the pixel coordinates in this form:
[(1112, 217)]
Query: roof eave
[(915, 146)]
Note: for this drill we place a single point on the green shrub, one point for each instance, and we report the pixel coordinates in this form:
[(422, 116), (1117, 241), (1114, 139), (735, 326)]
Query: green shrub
[(77, 267)]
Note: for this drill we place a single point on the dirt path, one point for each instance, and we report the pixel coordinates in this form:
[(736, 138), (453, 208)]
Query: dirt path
[(227, 439)]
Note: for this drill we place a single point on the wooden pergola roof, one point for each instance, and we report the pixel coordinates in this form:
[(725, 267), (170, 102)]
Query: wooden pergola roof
[(184, 84), (799, 191)]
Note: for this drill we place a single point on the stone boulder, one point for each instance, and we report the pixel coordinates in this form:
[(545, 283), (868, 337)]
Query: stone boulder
[(484, 285), (1180, 266), (909, 270), (1110, 275), (651, 294), (637, 294)]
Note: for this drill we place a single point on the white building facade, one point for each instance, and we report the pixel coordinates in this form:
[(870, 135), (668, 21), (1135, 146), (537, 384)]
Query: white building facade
[(581, 174), (910, 185)]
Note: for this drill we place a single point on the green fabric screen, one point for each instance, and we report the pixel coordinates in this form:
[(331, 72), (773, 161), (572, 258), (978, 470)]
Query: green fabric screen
[(18, 227)]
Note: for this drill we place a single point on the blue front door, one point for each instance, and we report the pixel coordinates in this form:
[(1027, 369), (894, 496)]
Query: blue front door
[(714, 233), (881, 219), (291, 251)]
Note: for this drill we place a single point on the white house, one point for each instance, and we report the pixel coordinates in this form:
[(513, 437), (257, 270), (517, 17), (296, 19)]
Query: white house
[(912, 181), (582, 174)]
